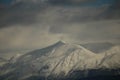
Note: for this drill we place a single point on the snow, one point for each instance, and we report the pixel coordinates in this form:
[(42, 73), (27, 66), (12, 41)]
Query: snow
[(2, 61), (112, 57), (65, 57)]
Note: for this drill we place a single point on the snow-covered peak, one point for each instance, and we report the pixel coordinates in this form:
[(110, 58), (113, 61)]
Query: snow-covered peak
[(59, 43), (62, 57)]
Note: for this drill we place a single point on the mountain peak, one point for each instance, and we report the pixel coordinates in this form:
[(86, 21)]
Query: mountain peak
[(61, 41)]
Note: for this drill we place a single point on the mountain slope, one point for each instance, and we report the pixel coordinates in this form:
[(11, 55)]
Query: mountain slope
[(59, 58), (112, 57), (3, 61)]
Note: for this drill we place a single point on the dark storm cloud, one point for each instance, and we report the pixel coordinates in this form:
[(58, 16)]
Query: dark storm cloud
[(68, 2), (26, 12)]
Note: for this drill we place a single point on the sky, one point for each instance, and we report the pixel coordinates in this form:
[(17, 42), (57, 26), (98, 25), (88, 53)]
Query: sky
[(82, 2), (5, 1), (33, 24)]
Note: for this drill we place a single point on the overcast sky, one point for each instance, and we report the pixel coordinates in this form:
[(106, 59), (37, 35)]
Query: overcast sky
[(27, 25)]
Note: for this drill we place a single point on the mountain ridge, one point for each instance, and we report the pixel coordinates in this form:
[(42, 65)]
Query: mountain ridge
[(60, 58)]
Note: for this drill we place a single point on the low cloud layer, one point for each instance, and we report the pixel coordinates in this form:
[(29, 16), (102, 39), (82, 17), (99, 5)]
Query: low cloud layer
[(31, 26), (25, 37), (17, 37)]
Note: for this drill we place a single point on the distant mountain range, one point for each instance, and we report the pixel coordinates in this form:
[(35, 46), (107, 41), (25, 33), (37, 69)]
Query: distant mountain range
[(63, 61)]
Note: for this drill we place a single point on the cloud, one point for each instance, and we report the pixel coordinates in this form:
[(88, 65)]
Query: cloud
[(68, 1), (91, 31), (19, 38), (82, 0), (51, 15), (32, 13), (27, 26), (39, 36)]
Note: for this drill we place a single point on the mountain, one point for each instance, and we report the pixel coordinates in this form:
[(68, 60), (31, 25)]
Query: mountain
[(2, 61), (59, 57), (61, 61), (112, 57)]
